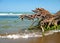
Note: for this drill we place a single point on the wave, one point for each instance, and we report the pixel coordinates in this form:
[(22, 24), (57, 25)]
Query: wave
[(9, 14), (17, 36)]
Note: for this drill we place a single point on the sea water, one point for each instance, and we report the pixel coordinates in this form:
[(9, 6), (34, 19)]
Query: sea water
[(12, 27), (11, 22)]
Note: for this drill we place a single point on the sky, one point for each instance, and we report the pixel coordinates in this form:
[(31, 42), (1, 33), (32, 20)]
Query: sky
[(28, 5)]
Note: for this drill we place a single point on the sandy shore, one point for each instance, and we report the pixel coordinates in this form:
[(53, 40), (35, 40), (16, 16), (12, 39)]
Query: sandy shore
[(53, 38)]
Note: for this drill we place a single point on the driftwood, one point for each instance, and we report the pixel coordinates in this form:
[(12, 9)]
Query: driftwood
[(46, 17), (29, 17)]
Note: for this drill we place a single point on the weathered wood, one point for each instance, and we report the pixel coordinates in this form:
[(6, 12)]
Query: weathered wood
[(45, 16)]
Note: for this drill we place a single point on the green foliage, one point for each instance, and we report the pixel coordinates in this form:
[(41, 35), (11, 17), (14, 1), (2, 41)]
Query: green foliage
[(46, 28)]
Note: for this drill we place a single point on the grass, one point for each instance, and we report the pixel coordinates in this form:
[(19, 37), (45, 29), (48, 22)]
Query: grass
[(37, 28), (46, 28)]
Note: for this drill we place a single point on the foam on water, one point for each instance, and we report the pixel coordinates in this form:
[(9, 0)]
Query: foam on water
[(26, 36), (16, 36), (9, 14)]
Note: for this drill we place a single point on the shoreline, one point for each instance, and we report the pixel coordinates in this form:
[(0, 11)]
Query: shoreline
[(29, 35)]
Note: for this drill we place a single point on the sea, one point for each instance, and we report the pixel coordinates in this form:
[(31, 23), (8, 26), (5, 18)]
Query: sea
[(10, 22), (14, 30)]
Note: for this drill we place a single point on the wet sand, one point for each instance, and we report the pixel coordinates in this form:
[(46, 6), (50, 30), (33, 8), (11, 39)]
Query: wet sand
[(54, 38)]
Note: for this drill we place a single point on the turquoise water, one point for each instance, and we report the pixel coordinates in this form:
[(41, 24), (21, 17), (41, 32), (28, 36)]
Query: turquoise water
[(10, 22), (13, 24)]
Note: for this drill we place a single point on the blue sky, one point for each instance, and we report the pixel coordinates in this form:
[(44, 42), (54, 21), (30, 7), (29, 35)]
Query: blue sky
[(28, 5)]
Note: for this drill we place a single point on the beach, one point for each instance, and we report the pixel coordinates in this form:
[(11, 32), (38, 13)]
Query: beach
[(53, 38), (12, 30), (29, 21)]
